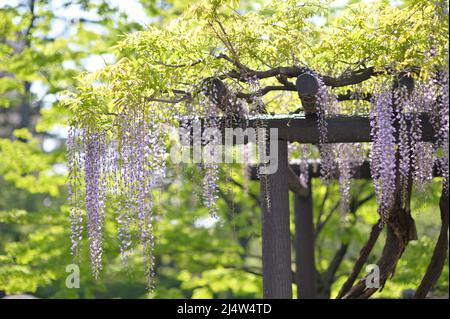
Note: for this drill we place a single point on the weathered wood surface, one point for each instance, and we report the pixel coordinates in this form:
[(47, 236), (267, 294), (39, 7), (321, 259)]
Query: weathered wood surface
[(304, 129), (305, 270), (307, 86), (363, 172), (276, 239)]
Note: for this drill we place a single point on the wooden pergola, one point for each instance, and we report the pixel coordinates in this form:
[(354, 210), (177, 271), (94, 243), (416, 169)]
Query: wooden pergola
[(276, 241)]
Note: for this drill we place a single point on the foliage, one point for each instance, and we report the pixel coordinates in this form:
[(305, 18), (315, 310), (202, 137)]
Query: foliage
[(195, 256), (42, 48), (213, 38)]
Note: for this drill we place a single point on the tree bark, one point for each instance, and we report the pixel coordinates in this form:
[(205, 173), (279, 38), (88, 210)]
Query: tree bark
[(363, 255), (437, 262)]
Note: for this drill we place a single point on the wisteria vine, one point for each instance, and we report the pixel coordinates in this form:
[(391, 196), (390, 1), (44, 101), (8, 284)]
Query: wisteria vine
[(129, 162)]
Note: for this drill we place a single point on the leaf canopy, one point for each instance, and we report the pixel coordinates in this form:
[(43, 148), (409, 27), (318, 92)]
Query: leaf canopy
[(218, 39)]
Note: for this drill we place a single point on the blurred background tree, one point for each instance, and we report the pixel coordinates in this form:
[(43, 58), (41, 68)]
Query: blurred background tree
[(44, 45)]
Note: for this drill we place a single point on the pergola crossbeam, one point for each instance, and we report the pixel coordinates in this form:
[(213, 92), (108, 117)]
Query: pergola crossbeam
[(276, 239), (304, 129)]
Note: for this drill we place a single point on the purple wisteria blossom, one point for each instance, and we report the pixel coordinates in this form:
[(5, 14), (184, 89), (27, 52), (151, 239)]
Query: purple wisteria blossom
[(128, 162), (305, 153), (95, 185), (382, 155), (349, 158), (402, 117), (326, 105), (443, 128), (76, 200), (141, 154), (422, 153), (210, 166)]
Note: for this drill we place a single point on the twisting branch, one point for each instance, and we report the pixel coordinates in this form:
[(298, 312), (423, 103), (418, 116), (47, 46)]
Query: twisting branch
[(263, 91), (280, 73), (363, 255), (321, 223), (437, 262), (183, 65), (400, 228), (236, 63), (181, 99), (322, 205), (354, 96), (294, 183), (32, 20), (283, 80), (328, 277), (354, 77)]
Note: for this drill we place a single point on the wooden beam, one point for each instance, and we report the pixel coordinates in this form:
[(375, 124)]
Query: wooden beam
[(276, 241), (363, 172), (304, 129), (341, 129), (305, 269)]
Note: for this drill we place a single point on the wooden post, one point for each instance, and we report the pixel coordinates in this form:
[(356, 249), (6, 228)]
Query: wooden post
[(305, 273), (276, 243)]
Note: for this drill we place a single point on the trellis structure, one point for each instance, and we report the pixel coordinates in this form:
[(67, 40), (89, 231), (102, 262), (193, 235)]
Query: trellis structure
[(305, 269), (203, 65), (91, 150), (276, 241)]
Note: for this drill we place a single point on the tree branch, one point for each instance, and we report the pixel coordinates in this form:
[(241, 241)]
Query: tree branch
[(322, 205), (183, 65), (335, 263), (31, 24), (294, 183), (354, 77), (255, 197), (363, 255), (437, 262), (321, 224)]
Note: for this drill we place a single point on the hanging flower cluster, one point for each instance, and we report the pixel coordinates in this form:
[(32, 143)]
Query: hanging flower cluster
[(127, 168), (305, 154), (129, 161), (127, 164), (95, 185), (443, 127), (210, 165), (382, 155), (76, 198), (326, 105), (422, 153), (350, 156), (86, 161), (398, 155), (141, 153), (343, 157)]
